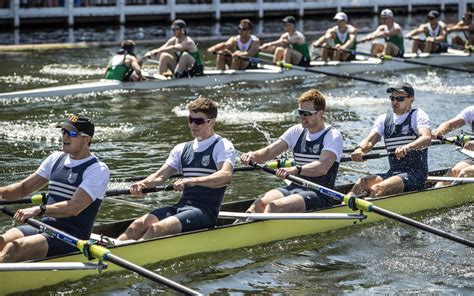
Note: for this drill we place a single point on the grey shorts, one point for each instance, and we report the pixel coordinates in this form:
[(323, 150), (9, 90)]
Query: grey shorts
[(313, 200), (412, 181)]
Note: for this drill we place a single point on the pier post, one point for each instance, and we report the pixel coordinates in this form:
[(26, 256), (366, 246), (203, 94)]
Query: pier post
[(15, 9), (301, 8), (216, 5), (462, 6), (121, 11), (260, 9), (70, 12), (410, 7), (172, 6)]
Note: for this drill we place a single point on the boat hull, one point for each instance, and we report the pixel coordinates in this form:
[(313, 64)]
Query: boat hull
[(230, 236), (267, 73)]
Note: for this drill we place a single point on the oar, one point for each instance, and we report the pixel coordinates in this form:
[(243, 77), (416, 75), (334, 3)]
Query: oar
[(116, 192), (466, 152), (288, 66), (36, 199), (449, 140), (101, 253), (291, 216), (458, 180), (363, 205), (139, 178)]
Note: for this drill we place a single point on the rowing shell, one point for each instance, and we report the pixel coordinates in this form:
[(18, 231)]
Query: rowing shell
[(229, 236), (266, 73)]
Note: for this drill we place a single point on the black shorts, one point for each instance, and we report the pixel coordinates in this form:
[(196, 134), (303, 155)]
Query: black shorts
[(412, 181), (441, 48), (313, 200), (251, 65), (196, 70), (304, 62), (191, 217), (55, 246)]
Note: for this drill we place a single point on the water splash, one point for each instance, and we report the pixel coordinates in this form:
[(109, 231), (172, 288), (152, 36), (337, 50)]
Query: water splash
[(26, 80), (71, 70)]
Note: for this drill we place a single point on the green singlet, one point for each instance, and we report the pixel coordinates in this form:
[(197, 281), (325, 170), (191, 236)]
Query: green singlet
[(303, 49), (117, 69)]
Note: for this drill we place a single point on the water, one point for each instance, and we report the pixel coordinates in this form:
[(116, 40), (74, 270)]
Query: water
[(137, 129)]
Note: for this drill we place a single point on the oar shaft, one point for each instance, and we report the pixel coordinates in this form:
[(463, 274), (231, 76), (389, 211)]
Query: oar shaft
[(422, 226), (104, 253), (115, 192), (149, 274)]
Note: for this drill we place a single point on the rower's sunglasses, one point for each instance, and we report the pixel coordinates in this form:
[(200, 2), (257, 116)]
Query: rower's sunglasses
[(307, 112), (71, 134), (243, 29), (398, 98), (197, 120), (175, 29)]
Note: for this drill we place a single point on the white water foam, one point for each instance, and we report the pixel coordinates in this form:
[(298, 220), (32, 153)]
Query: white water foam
[(26, 80)]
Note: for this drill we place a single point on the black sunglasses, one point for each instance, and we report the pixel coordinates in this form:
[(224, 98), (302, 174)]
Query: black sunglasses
[(398, 98), (307, 112), (243, 29), (197, 120)]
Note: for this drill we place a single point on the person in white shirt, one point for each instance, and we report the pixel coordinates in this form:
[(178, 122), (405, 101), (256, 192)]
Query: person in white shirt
[(463, 168), (77, 182), (433, 35), (317, 151), (291, 47), (207, 165), (407, 135)]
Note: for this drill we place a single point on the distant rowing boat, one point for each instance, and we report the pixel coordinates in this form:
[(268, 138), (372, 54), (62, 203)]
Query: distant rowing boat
[(231, 236), (216, 77)]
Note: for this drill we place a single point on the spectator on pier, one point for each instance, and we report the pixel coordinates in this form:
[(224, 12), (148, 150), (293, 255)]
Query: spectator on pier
[(339, 42), (433, 35), (236, 51), (465, 31), (291, 47), (391, 32), (179, 54), (125, 66)]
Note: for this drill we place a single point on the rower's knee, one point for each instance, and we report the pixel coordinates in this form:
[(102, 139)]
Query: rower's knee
[(9, 251), (271, 207), (467, 172), (259, 205)]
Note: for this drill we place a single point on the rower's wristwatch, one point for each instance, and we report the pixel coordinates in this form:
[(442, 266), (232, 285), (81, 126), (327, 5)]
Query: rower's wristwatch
[(42, 210), (298, 169)]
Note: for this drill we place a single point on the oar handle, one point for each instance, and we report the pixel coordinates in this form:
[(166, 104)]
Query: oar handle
[(36, 199), (116, 192), (368, 156)]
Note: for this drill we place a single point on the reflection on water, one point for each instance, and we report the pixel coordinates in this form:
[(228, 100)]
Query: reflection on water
[(137, 129)]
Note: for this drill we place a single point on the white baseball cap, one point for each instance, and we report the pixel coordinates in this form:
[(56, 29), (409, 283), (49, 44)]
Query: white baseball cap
[(386, 13), (340, 16)]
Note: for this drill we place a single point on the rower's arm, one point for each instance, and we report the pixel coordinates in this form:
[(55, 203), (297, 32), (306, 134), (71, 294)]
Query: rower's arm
[(253, 50), (319, 167), (350, 41), (442, 34), (218, 179), (447, 126), (368, 143), (159, 177), (423, 141), (219, 47), (266, 153), (15, 191), (418, 30)]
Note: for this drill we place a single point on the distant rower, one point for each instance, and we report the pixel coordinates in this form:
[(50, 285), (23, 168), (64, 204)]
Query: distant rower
[(124, 66), (179, 54), (338, 40), (291, 47), (237, 49), (434, 38), (465, 31), (391, 32)]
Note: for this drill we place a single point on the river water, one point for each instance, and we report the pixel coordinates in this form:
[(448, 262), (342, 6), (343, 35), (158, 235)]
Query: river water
[(137, 129)]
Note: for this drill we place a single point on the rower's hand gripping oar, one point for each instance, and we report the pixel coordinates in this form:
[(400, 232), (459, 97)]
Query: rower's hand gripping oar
[(116, 192), (92, 251), (363, 205)]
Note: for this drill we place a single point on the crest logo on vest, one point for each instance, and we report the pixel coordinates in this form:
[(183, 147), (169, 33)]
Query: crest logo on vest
[(405, 129), (72, 178), (206, 160), (314, 149)]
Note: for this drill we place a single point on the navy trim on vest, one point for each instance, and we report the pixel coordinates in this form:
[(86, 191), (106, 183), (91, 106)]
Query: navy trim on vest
[(305, 152), (399, 135), (63, 182), (201, 164)]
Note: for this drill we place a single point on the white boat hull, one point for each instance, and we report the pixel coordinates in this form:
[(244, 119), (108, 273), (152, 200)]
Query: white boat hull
[(215, 77)]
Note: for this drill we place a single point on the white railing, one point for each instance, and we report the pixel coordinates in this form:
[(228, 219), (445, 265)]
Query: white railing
[(122, 8)]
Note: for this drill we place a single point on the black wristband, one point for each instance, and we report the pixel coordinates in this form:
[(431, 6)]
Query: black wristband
[(43, 210), (358, 148), (298, 169)]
